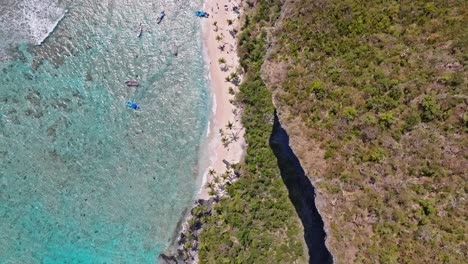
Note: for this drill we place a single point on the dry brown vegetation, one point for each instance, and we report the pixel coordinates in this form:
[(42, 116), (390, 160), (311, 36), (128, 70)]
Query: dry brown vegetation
[(380, 88)]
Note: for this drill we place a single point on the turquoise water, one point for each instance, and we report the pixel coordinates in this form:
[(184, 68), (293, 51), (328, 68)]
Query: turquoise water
[(84, 179)]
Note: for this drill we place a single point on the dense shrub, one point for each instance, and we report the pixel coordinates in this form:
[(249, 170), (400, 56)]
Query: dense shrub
[(380, 85)]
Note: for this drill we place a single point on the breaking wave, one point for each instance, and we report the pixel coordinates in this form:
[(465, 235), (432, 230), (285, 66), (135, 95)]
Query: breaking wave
[(28, 21)]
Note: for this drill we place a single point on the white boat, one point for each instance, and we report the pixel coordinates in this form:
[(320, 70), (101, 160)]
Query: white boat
[(161, 16), (139, 30)]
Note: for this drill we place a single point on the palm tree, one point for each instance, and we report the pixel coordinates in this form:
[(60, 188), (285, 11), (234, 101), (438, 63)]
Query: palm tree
[(233, 32), (211, 172), (218, 38), (229, 125), (221, 60), (210, 185), (221, 132), (225, 141), (192, 222), (216, 179), (213, 193), (235, 136), (225, 176), (234, 76), (224, 67)]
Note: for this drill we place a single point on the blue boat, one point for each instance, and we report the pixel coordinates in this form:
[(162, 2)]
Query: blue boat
[(133, 105), (201, 14)]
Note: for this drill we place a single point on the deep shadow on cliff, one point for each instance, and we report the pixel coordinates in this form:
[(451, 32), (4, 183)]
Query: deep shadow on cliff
[(301, 193)]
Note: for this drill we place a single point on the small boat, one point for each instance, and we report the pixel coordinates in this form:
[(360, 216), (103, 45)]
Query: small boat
[(139, 30), (132, 83), (175, 50), (201, 14), (132, 105), (161, 16)]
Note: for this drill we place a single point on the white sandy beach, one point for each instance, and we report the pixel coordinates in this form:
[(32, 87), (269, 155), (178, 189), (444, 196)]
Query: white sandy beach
[(223, 111)]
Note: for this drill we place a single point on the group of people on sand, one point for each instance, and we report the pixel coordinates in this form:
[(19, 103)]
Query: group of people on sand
[(226, 7)]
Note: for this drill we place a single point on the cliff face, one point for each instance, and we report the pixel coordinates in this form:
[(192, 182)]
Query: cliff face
[(301, 193), (310, 159), (309, 156), (373, 98)]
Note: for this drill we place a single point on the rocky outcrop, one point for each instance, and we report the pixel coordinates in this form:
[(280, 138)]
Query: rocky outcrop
[(164, 259), (186, 246)]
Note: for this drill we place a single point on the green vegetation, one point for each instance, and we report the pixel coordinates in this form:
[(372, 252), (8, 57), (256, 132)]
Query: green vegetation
[(221, 60), (382, 86), (256, 222)]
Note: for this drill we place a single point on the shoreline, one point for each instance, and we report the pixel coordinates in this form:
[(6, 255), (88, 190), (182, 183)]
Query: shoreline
[(223, 111), (224, 145), (51, 29)]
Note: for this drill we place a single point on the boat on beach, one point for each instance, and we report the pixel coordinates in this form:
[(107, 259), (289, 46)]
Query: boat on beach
[(201, 14), (161, 16), (132, 83), (139, 30)]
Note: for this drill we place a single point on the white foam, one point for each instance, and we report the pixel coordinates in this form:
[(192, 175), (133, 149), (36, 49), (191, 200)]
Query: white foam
[(212, 158), (29, 21), (51, 28)]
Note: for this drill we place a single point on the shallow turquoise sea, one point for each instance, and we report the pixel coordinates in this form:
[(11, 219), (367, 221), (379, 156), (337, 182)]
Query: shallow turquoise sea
[(83, 178)]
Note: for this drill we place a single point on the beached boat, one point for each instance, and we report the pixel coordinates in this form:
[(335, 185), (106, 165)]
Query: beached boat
[(133, 105), (139, 30), (132, 83), (201, 14), (161, 16)]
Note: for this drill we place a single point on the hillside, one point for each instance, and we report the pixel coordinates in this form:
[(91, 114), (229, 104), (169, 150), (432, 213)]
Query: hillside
[(373, 96)]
